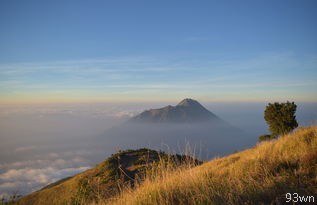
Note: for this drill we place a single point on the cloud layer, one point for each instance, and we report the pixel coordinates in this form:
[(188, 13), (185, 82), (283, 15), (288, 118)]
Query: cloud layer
[(23, 177), (276, 75)]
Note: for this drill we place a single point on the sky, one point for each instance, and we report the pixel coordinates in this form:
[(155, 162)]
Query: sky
[(101, 51)]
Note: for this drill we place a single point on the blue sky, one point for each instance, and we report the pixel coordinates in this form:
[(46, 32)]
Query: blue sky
[(57, 51)]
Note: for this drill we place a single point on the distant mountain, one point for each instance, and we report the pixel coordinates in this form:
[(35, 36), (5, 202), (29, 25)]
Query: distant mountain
[(173, 128), (187, 111)]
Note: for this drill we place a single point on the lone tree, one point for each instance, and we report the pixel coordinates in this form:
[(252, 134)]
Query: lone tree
[(280, 117)]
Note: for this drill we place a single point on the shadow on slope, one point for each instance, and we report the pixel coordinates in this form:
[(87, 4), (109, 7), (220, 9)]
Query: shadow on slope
[(120, 171), (260, 175)]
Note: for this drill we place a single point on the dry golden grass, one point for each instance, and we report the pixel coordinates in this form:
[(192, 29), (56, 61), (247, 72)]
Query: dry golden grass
[(260, 175), (119, 172)]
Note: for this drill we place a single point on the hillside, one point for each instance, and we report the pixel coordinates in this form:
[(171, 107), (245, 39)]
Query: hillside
[(119, 171), (261, 175)]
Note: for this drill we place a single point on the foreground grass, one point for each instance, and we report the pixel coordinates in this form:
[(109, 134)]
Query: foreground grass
[(261, 175), (121, 171)]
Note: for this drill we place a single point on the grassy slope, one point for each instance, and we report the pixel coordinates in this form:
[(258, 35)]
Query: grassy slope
[(260, 175), (101, 182)]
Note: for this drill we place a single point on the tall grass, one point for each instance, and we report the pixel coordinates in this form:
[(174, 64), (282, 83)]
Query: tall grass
[(260, 175), (92, 190), (10, 199)]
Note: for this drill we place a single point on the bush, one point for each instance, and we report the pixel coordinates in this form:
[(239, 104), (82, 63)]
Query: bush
[(265, 138), (280, 117)]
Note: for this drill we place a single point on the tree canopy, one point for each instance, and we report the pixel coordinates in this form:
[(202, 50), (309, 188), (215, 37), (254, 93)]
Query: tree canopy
[(280, 117)]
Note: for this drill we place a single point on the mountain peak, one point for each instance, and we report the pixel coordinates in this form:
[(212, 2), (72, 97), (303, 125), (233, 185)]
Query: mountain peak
[(188, 102), (187, 111)]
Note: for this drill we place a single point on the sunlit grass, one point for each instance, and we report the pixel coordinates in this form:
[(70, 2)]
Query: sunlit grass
[(258, 175)]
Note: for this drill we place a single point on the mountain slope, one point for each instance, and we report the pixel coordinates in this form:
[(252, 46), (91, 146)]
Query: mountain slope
[(105, 180), (260, 175), (173, 127), (187, 111)]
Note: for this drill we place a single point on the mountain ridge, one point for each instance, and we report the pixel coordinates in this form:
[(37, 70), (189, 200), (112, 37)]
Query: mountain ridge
[(123, 168)]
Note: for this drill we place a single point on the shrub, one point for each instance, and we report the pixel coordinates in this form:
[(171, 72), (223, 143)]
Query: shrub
[(265, 138), (280, 117)]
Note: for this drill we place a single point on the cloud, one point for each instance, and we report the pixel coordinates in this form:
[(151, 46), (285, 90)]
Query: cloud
[(38, 176), (25, 176), (28, 179), (125, 114), (53, 155), (117, 78), (91, 110), (68, 161), (25, 149)]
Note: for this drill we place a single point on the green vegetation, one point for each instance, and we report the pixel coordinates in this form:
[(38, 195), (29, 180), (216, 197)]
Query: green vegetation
[(281, 118), (265, 138)]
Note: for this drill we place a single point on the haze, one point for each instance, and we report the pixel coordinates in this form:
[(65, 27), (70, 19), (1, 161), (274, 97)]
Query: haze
[(43, 143)]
